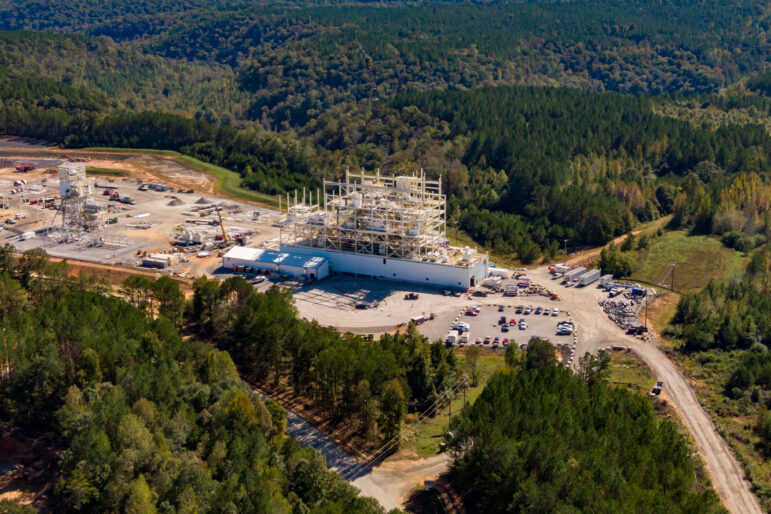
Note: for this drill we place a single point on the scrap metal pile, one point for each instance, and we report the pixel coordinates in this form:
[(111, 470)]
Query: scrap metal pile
[(623, 312)]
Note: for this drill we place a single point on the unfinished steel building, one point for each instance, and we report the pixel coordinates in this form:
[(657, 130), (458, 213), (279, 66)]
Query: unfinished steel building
[(382, 227)]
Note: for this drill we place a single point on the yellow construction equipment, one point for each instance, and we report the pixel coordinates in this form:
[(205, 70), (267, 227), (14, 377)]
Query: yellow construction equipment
[(225, 237)]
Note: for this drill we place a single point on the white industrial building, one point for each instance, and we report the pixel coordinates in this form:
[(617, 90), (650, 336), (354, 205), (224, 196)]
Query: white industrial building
[(390, 228), (283, 263)]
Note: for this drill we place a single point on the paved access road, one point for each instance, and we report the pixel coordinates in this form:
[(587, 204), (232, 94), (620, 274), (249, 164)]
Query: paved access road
[(338, 460), (597, 331)]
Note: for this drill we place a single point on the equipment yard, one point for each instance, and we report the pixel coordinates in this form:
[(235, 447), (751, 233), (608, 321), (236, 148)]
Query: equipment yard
[(128, 219)]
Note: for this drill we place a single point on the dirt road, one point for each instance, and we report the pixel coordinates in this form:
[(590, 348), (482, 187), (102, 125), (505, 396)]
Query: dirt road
[(595, 252), (597, 331)]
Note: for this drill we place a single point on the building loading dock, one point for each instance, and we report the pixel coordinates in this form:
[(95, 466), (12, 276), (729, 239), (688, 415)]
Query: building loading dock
[(283, 263)]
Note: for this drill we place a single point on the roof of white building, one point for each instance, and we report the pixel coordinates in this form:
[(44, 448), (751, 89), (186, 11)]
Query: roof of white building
[(274, 257)]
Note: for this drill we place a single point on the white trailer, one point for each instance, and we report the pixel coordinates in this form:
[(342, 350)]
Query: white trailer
[(606, 279), (561, 268), (574, 273), (589, 277), (452, 337)]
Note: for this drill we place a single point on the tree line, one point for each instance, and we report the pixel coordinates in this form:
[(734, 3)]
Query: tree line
[(149, 422), (541, 438), (369, 384)]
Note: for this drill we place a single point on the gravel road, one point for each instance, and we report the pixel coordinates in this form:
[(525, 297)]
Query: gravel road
[(597, 331)]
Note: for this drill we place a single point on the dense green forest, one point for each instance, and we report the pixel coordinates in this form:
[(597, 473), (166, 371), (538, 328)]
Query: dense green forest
[(369, 384), (150, 422), (543, 439), (285, 94)]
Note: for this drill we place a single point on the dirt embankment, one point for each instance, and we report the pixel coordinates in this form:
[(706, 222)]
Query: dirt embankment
[(28, 466)]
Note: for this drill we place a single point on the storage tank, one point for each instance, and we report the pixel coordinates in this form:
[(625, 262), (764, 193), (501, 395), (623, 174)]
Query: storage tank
[(356, 200)]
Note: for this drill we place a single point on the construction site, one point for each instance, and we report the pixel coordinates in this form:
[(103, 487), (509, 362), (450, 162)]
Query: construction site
[(58, 205), (382, 227)]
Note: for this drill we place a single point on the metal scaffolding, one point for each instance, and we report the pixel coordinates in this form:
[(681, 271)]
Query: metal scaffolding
[(400, 217)]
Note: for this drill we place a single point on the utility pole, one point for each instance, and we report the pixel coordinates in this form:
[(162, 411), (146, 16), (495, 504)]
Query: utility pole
[(566, 247), (673, 264)]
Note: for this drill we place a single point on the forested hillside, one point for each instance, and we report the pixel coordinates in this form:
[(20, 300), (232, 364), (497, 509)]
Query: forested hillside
[(149, 422), (543, 439), (285, 94)]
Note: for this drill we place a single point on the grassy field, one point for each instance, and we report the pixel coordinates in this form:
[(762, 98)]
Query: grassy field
[(106, 172), (145, 151), (734, 419), (425, 440), (699, 259), (627, 370), (228, 182)]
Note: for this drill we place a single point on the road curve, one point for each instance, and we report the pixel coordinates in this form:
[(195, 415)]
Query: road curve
[(338, 459), (597, 331)]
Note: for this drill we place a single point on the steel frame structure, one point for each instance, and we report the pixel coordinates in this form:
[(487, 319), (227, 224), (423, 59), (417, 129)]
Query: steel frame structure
[(401, 217)]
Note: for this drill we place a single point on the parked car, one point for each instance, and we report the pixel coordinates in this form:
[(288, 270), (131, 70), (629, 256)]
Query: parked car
[(505, 327), (546, 311), (496, 341), (519, 309), (10, 221), (472, 312), (555, 312), (513, 321), (538, 309), (505, 341), (478, 341), (487, 340), (657, 389), (500, 308), (502, 320), (522, 325)]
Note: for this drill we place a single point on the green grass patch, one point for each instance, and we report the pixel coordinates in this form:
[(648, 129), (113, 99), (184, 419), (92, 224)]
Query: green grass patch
[(106, 172), (699, 259), (628, 370), (426, 438), (229, 182), (147, 151)]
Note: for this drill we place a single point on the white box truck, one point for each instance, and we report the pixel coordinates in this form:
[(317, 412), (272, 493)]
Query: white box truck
[(452, 337), (606, 279), (464, 337)]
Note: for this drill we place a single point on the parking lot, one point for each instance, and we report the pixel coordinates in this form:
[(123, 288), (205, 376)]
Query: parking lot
[(486, 327)]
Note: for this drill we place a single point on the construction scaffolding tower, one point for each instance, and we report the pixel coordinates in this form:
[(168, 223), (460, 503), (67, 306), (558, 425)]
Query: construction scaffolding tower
[(75, 190), (400, 217)]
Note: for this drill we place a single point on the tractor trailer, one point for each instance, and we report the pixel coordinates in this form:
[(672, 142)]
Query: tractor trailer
[(589, 277)]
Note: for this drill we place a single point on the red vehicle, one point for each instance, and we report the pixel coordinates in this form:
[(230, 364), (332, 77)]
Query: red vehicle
[(27, 166), (505, 341), (513, 321), (471, 312)]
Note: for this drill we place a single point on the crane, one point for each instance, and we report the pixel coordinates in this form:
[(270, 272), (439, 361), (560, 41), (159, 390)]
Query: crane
[(225, 237)]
